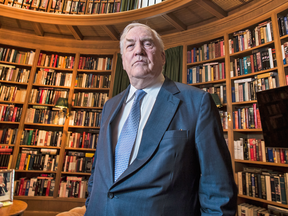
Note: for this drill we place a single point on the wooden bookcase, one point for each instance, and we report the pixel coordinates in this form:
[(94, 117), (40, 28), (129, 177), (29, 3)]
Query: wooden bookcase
[(231, 133), (22, 125), (189, 40)]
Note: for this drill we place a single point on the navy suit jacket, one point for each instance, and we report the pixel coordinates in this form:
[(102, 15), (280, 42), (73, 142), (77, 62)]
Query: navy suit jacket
[(183, 166)]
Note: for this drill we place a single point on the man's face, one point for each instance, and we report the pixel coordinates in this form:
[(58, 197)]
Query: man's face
[(142, 56)]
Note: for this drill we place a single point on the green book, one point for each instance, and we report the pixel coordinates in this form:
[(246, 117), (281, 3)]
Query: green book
[(29, 137), (18, 161)]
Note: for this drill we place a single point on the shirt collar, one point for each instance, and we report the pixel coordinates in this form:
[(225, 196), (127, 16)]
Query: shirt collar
[(152, 89)]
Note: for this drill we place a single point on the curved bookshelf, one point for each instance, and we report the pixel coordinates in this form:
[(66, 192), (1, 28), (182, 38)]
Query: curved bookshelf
[(101, 19)]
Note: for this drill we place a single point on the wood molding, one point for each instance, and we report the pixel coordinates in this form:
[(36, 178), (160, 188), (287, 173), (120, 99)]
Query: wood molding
[(174, 21), (93, 19), (75, 32), (111, 32), (212, 8), (38, 29)]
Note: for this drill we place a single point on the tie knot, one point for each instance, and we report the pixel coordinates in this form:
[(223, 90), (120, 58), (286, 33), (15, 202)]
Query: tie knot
[(139, 94)]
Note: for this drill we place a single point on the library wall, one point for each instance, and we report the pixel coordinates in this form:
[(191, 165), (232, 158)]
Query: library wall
[(80, 81)]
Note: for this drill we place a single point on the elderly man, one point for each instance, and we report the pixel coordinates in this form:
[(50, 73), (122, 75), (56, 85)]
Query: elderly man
[(161, 149)]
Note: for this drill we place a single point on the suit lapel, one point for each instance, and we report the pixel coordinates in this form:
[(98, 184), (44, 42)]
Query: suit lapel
[(161, 115), (118, 102)]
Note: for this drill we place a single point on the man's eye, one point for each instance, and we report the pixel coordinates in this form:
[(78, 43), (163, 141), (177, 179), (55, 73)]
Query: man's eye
[(130, 45), (148, 44)]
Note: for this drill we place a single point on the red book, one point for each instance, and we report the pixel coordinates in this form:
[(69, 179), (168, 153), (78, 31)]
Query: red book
[(286, 79), (71, 62), (80, 62), (252, 63), (51, 60), (5, 150), (48, 187), (282, 157), (39, 60), (20, 186), (83, 139), (260, 150), (3, 113), (258, 118), (55, 61), (236, 119), (14, 114), (251, 149)]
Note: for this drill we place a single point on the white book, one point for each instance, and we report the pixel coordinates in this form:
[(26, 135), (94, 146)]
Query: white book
[(144, 3), (46, 162), (236, 85), (270, 58), (32, 186), (269, 38)]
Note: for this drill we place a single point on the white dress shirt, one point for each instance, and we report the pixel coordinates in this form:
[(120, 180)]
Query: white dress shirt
[(146, 107)]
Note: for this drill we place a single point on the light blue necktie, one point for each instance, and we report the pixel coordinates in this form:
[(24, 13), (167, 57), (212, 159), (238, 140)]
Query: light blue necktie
[(128, 135)]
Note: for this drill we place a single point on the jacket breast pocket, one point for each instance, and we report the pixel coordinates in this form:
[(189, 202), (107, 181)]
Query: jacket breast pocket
[(178, 134)]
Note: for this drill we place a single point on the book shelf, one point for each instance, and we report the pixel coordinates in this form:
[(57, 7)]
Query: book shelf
[(274, 70), (207, 36), (51, 75)]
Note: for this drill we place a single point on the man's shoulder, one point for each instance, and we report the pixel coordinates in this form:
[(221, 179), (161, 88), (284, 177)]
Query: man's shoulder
[(184, 88)]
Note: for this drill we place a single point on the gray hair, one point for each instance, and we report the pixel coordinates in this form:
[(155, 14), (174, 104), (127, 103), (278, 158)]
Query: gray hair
[(132, 25)]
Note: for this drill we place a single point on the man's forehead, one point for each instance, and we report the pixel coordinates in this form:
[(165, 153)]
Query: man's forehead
[(139, 32)]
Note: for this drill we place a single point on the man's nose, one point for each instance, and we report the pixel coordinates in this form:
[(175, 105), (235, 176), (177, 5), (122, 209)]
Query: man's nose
[(139, 49)]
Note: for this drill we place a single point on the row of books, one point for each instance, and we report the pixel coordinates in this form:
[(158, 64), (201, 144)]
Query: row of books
[(35, 159), (73, 186), (224, 118), (219, 89), (245, 89), (78, 162), (10, 113), (37, 186), (134, 4), (50, 77), (71, 6), (283, 25), (103, 7), (56, 61), (8, 135), (89, 99), (78, 7), (247, 117), (250, 38), (214, 49), (254, 150), (92, 81), (85, 118), (263, 184), (245, 209), (206, 72), (5, 158), (16, 56), (43, 115), (46, 95), (82, 140), (12, 93), (95, 63), (36, 137), (250, 149), (8, 73), (260, 59)]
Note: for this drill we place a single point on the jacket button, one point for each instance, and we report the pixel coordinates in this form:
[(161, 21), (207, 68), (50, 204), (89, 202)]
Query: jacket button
[(110, 195)]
